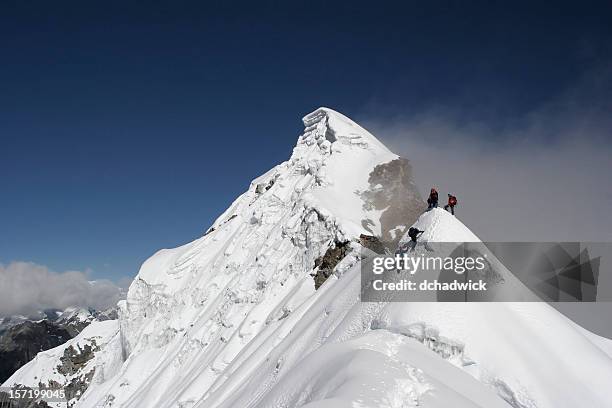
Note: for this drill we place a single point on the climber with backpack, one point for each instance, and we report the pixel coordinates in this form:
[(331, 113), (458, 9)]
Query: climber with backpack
[(432, 201), (452, 202), (414, 233)]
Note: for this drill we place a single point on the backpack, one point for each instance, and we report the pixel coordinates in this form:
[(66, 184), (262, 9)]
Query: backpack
[(452, 200)]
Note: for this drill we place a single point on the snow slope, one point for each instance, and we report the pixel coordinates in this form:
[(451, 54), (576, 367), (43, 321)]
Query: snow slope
[(526, 354), (233, 319), (93, 354)]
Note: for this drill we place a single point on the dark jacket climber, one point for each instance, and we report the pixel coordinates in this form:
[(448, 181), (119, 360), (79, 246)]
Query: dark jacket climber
[(452, 202), (432, 201), (414, 233)]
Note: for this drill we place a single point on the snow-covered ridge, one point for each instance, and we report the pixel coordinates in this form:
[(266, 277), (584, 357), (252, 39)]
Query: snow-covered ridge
[(326, 126), (202, 302), (232, 319)]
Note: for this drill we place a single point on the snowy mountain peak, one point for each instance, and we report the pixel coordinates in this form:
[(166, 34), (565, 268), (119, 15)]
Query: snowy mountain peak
[(254, 266), (325, 126), (264, 310)]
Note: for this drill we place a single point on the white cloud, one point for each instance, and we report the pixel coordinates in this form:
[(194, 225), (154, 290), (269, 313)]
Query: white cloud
[(26, 288), (541, 176)]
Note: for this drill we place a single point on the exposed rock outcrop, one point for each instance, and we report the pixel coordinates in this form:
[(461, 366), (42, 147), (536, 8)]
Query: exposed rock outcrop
[(328, 262), (393, 191)]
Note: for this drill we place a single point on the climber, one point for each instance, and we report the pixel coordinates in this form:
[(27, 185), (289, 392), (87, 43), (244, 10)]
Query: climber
[(452, 202), (432, 201), (414, 233)]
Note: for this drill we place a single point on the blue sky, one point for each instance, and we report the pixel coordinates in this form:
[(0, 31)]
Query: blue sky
[(126, 128)]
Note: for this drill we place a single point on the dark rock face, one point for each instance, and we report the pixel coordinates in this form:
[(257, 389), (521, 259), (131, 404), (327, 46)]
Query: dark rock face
[(372, 243), (109, 314), (328, 262), (74, 360), (73, 326), (20, 344), (392, 189)]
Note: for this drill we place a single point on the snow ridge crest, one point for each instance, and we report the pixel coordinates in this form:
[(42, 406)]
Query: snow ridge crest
[(324, 126)]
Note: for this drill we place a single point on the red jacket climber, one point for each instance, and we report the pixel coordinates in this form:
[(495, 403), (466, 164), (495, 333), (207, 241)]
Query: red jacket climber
[(452, 202), (432, 201)]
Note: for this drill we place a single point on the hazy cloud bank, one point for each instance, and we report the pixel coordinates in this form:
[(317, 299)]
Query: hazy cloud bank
[(544, 175), (26, 288)]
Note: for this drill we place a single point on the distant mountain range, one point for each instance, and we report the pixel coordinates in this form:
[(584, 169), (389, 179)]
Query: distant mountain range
[(21, 337)]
